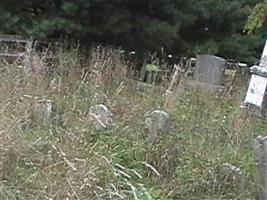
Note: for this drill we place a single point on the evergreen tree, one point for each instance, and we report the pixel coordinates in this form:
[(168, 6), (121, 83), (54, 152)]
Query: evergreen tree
[(179, 26)]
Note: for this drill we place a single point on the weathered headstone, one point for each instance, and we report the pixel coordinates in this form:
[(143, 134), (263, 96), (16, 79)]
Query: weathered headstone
[(260, 148), (256, 90), (9, 155), (44, 111), (209, 73), (101, 117), (210, 69), (229, 174), (156, 121), (142, 86), (230, 170)]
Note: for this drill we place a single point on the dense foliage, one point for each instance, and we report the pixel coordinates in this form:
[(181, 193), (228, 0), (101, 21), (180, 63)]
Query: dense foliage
[(180, 26), (257, 18)]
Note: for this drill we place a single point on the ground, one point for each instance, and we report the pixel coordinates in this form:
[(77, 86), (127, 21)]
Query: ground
[(69, 159)]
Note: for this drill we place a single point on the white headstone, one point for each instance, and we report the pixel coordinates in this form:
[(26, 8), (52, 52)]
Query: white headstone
[(157, 120), (256, 94), (256, 90), (263, 61), (101, 117)]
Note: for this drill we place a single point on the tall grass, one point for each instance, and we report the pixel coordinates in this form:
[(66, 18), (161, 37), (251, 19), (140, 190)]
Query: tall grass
[(69, 159)]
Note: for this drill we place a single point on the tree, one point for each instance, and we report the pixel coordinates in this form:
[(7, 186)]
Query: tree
[(218, 29), (257, 18), (179, 26), (136, 24)]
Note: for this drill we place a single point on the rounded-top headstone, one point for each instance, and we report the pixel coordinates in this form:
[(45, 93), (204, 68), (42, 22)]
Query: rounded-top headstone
[(156, 121), (101, 116), (44, 111)]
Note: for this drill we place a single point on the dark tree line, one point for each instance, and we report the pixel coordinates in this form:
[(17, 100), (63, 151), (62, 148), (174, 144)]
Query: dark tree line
[(178, 26)]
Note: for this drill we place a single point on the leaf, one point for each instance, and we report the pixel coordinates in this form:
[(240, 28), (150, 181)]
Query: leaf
[(257, 18)]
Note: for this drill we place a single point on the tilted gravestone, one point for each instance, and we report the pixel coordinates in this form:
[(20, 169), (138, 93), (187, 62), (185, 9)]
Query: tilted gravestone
[(101, 117), (155, 122)]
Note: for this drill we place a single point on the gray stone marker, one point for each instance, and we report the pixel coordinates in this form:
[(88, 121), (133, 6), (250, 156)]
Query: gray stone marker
[(209, 73), (210, 69), (101, 117), (156, 121), (260, 150), (230, 174), (227, 168), (44, 111), (142, 86)]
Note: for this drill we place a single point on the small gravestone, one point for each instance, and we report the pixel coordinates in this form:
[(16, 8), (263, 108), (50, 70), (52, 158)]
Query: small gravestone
[(155, 122), (229, 174), (260, 146), (142, 86), (44, 111), (101, 117), (9, 155)]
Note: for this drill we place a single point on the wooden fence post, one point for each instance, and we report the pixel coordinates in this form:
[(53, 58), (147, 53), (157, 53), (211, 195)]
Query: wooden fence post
[(260, 147)]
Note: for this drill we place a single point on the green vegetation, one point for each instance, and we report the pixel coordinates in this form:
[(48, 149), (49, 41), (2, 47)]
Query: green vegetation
[(178, 26), (257, 18), (70, 160)]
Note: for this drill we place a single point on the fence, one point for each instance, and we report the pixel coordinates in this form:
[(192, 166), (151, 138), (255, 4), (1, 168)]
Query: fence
[(16, 46)]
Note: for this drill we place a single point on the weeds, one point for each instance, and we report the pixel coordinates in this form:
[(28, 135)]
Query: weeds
[(71, 160)]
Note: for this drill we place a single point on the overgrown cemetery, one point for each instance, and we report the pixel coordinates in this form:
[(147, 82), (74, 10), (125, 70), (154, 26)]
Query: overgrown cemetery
[(80, 125)]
